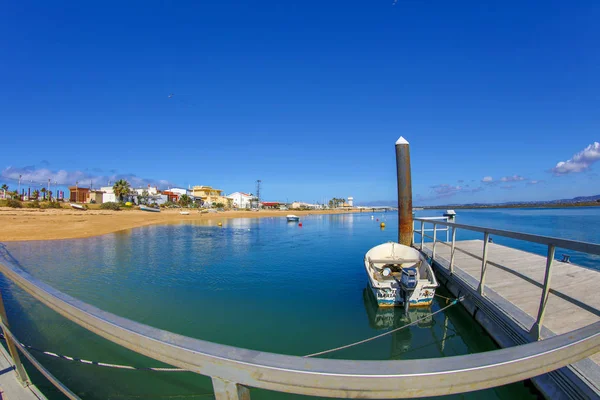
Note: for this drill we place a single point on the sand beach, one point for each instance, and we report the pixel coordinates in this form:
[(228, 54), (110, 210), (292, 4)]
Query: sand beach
[(55, 224)]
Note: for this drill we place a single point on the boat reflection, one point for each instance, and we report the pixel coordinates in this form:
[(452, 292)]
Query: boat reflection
[(422, 334), (390, 317)]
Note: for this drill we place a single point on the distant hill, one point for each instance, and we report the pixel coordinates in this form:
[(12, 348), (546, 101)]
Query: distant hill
[(573, 201)]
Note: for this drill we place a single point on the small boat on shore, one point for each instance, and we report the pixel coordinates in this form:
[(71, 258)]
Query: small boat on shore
[(77, 206), (292, 218), (184, 212), (399, 274), (148, 208)]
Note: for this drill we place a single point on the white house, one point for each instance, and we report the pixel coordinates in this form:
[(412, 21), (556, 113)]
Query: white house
[(300, 204), (241, 200), (108, 195)]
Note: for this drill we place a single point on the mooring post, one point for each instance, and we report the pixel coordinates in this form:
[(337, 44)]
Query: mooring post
[(405, 217)]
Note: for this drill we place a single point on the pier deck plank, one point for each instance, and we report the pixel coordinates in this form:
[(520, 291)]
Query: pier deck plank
[(518, 277), (10, 388)]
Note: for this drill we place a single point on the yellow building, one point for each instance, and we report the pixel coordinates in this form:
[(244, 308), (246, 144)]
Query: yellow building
[(210, 195)]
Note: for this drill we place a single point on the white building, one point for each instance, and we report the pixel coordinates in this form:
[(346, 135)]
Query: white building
[(181, 191), (108, 195), (241, 200), (300, 204), (350, 201)]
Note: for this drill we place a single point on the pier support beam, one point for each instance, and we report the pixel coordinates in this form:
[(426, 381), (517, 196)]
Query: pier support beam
[(12, 349), (405, 217), (225, 390)]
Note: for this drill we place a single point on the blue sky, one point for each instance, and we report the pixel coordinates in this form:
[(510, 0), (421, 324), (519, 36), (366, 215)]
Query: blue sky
[(308, 96)]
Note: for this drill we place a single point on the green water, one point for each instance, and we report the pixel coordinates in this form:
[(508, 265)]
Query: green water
[(262, 284)]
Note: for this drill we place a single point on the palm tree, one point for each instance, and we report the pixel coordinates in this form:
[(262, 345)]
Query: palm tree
[(4, 186), (184, 200), (35, 194), (44, 190), (121, 188)]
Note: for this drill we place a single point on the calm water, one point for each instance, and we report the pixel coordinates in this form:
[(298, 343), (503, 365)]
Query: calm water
[(263, 284)]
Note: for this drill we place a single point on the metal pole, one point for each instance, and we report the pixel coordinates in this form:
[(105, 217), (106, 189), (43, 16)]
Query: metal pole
[(434, 240), (486, 237), (422, 235), (12, 349), (405, 217), (536, 330), (452, 249)]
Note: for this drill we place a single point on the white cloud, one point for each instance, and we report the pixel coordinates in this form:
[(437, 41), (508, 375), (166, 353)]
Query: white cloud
[(514, 178), (62, 177), (534, 182), (580, 161), (487, 179), (445, 190)]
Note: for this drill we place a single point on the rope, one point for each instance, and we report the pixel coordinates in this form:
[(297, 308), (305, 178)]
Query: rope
[(100, 364), (444, 297), (455, 301)]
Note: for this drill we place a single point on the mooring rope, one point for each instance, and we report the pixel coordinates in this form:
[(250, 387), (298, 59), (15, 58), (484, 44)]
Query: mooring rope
[(444, 297), (455, 301), (98, 363)]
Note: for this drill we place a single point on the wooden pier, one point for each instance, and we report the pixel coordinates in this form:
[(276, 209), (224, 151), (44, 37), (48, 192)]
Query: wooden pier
[(518, 303)]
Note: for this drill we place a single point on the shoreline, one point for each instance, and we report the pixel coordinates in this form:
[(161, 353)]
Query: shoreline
[(59, 224)]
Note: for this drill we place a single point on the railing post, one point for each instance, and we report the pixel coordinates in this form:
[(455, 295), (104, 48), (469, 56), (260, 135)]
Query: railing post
[(536, 330), (452, 249), (12, 349), (422, 234), (486, 237), (226, 390), (434, 240)]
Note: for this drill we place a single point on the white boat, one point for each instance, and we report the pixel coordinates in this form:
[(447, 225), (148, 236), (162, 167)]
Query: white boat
[(293, 218), (148, 208), (184, 212), (398, 273), (77, 206)]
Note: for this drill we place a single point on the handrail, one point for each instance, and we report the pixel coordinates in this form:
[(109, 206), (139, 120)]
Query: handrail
[(551, 242), (584, 247), (231, 367)]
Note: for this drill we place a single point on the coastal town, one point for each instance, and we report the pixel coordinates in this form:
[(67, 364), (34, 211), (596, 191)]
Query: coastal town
[(121, 194)]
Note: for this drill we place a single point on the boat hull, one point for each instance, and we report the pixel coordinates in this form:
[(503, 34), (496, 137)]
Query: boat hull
[(149, 209), (387, 291), (395, 298)]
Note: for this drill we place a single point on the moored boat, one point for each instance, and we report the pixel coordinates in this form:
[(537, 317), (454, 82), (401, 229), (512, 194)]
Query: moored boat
[(293, 218), (148, 208), (184, 212), (77, 206), (399, 274)]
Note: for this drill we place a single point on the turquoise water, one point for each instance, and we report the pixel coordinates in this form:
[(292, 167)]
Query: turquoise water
[(263, 284)]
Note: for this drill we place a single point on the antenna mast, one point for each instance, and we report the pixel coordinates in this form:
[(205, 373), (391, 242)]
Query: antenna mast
[(258, 182)]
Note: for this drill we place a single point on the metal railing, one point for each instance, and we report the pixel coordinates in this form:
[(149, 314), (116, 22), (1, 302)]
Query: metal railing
[(233, 370), (551, 243)]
